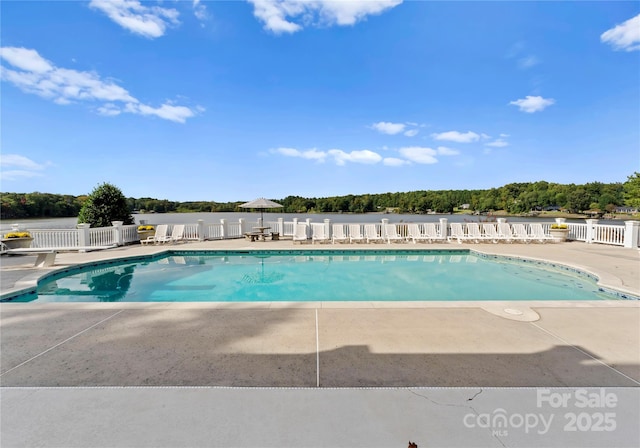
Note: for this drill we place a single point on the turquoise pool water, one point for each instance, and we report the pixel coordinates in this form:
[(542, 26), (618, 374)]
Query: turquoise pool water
[(316, 276)]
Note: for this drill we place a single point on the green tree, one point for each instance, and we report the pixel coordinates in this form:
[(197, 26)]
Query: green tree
[(578, 200), (632, 190), (105, 204)]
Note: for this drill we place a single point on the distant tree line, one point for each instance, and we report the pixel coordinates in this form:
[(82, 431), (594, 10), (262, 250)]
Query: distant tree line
[(39, 205), (515, 198)]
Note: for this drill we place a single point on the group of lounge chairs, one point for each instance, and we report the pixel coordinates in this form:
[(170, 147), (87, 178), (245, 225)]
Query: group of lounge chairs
[(390, 233), (502, 232), (162, 235), (426, 232), (343, 233)]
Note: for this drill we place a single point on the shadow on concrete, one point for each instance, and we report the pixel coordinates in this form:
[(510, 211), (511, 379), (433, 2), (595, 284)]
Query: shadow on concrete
[(205, 347), (157, 347), (561, 365)]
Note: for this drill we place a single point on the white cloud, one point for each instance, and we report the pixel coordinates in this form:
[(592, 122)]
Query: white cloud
[(18, 161), (18, 174), (312, 154), (528, 62), (365, 156), (25, 59), (625, 36), (385, 127), (394, 161), (498, 143), (277, 14), (19, 167), (409, 154), (38, 76), (273, 15), (524, 62), (147, 21), (444, 151), (419, 154), (167, 111), (459, 137), (109, 110), (532, 104), (199, 10), (339, 156)]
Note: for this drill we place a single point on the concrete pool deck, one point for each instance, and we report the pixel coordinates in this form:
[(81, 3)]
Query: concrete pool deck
[(123, 362)]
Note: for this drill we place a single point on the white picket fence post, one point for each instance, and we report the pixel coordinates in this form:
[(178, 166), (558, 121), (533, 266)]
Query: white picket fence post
[(224, 229), (444, 228), (84, 239), (631, 231), (117, 232), (591, 234), (201, 234), (327, 227)]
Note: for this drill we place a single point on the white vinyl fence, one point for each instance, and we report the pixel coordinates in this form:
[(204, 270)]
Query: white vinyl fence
[(627, 235)]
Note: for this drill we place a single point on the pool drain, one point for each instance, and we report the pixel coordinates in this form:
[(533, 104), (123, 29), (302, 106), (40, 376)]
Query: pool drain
[(513, 312)]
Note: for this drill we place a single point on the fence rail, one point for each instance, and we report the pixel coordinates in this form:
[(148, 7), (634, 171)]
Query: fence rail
[(577, 232), (101, 236), (130, 234), (627, 235), (54, 238), (608, 234)]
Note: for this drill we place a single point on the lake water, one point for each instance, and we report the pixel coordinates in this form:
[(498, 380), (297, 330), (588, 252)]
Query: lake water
[(192, 218)]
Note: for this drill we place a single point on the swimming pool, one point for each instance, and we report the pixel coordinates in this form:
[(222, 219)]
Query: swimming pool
[(276, 276)]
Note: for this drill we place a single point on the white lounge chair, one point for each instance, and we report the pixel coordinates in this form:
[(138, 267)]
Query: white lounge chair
[(300, 232), (161, 235), (490, 232), (415, 234), (474, 233), (506, 232), (355, 233), (338, 234), (391, 233), (177, 234), (318, 233), (536, 233), (431, 232), (371, 233), (457, 232), (520, 233)]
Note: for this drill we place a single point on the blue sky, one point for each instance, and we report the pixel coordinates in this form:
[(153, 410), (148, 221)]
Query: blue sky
[(226, 101)]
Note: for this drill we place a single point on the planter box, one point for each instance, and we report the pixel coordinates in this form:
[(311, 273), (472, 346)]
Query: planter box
[(144, 234), (559, 235), (17, 243)]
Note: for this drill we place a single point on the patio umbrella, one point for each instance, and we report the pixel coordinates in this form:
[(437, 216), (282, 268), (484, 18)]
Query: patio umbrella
[(261, 204)]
